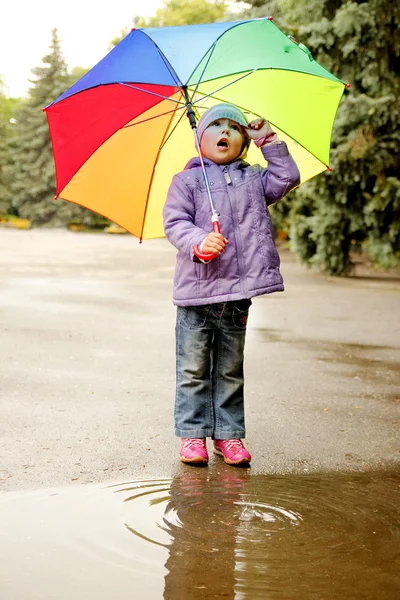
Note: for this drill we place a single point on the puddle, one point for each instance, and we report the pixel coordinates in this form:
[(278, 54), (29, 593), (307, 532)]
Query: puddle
[(221, 533)]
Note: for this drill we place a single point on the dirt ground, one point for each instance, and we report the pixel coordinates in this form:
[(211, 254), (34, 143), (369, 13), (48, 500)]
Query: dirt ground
[(87, 365)]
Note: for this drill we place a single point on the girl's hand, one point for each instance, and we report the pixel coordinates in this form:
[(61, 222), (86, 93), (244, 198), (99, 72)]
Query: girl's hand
[(258, 128), (215, 243)]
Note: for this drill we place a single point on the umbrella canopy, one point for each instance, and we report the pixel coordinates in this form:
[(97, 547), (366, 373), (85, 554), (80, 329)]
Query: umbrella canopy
[(120, 133)]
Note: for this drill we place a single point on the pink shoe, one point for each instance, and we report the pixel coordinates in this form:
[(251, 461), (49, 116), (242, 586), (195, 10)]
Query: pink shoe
[(233, 451), (194, 451)]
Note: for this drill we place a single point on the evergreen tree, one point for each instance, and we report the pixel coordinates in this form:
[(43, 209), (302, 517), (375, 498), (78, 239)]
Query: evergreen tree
[(357, 205), (5, 134), (32, 170)]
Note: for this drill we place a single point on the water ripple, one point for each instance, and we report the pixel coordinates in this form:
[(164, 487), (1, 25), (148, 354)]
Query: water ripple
[(205, 534)]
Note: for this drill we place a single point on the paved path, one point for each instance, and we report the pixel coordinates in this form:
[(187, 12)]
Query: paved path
[(87, 365)]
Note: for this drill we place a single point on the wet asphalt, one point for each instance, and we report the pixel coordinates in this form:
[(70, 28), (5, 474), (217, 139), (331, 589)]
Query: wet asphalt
[(87, 365)]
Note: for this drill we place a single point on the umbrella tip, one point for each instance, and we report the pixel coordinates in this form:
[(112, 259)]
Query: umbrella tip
[(347, 85), (270, 18), (329, 168), (133, 28), (140, 240)]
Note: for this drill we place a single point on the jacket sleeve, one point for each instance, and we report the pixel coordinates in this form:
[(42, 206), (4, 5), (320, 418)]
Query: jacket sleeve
[(282, 174), (178, 215)]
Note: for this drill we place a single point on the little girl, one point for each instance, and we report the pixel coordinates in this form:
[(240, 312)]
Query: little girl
[(213, 297)]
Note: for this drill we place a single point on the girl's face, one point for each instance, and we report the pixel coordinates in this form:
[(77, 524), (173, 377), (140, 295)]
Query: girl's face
[(222, 141)]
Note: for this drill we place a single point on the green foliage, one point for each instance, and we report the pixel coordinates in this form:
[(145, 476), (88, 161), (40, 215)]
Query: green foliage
[(30, 172), (284, 15), (356, 207), (75, 74), (185, 12), (180, 12), (7, 105)]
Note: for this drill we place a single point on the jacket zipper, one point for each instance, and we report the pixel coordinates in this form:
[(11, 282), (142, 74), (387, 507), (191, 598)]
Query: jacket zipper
[(226, 175), (233, 200)]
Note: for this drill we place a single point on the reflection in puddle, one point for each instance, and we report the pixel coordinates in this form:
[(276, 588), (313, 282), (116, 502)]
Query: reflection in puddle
[(209, 533)]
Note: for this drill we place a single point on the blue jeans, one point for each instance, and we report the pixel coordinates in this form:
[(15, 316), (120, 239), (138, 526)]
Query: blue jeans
[(209, 370)]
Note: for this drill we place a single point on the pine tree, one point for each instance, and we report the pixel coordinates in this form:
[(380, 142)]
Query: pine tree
[(32, 171), (356, 207), (6, 108)]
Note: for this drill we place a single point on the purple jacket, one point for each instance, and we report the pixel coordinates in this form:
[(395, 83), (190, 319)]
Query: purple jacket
[(250, 264)]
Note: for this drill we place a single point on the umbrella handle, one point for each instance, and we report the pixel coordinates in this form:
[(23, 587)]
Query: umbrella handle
[(207, 255)]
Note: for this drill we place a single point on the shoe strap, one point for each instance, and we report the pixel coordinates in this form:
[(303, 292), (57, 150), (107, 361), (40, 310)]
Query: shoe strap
[(233, 444), (190, 442)]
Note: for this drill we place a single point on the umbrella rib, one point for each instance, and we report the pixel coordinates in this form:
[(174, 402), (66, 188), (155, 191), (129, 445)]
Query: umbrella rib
[(168, 112), (169, 66), (225, 32), (171, 70), (174, 110), (152, 175), (134, 87), (205, 67), (210, 95), (284, 69), (165, 140)]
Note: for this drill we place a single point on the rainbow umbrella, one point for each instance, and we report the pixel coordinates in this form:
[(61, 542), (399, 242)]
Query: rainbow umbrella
[(120, 133)]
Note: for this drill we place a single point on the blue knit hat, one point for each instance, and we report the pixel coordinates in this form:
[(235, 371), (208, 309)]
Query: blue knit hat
[(220, 111)]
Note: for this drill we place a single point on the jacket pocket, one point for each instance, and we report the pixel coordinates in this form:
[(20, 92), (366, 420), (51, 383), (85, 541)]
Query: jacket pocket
[(201, 270)]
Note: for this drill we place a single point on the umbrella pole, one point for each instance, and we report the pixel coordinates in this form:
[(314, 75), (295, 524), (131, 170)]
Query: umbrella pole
[(214, 216)]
